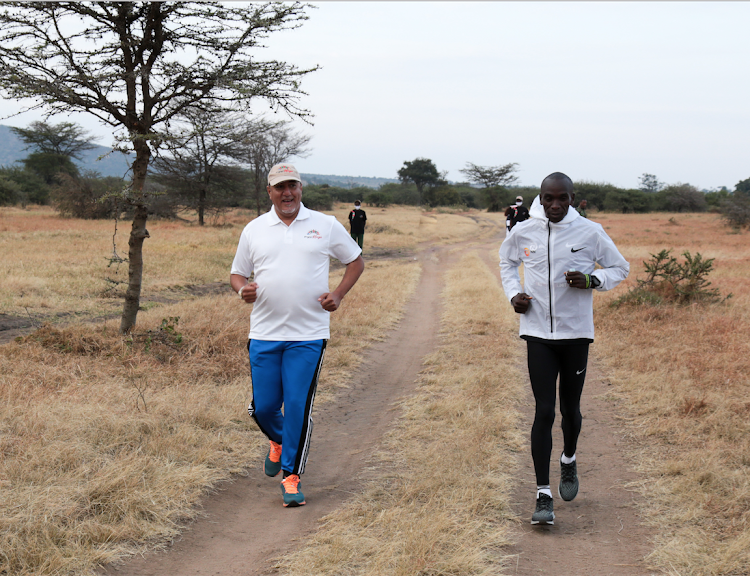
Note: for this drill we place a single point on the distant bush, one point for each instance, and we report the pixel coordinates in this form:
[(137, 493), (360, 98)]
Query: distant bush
[(84, 196), (378, 198), (316, 200), (736, 211), (715, 198), (681, 198), (671, 282), (22, 186), (10, 191), (626, 201), (402, 194), (594, 193)]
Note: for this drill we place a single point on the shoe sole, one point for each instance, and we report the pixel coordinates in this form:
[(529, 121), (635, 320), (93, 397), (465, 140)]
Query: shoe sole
[(294, 504), (543, 522)]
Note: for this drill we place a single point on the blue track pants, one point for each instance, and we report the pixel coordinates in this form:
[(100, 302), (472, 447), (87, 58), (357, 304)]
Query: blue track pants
[(286, 373)]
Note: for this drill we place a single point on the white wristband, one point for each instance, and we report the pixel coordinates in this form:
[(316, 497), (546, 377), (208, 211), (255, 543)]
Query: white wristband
[(240, 292)]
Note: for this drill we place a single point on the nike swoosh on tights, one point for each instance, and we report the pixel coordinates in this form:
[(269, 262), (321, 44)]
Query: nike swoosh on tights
[(581, 371)]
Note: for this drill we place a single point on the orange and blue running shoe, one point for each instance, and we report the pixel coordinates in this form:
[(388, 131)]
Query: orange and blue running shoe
[(273, 460), (290, 489)]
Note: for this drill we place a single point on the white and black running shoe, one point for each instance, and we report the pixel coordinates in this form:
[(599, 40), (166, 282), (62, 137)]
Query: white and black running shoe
[(543, 513), (568, 487)]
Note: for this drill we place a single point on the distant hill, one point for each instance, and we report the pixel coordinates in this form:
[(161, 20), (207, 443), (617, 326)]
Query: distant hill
[(345, 181), (114, 164)]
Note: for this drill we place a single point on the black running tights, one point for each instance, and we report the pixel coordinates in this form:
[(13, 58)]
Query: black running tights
[(546, 362)]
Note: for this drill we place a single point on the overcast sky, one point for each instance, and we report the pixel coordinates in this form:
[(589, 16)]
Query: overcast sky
[(602, 91)]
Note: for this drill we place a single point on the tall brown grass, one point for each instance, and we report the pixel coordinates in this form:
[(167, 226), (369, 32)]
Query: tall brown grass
[(680, 377), (55, 265), (107, 442), (440, 504)]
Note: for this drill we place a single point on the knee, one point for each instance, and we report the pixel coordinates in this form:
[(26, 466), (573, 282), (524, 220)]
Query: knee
[(570, 411), (545, 415), (265, 410)]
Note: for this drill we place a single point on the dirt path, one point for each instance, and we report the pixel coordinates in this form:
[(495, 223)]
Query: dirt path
[(245, 527), (599, 533)]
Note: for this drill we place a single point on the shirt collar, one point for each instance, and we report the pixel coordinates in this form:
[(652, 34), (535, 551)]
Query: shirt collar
[(273, 217)]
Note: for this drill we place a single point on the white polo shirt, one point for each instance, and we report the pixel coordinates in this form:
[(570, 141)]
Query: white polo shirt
[(291, 269)]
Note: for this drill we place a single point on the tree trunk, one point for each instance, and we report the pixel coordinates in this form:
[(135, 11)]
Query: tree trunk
[(258, 188), (201, 206), (138, 234)]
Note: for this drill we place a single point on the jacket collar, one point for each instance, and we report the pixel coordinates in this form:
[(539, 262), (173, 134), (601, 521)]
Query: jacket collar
[(537, 211)]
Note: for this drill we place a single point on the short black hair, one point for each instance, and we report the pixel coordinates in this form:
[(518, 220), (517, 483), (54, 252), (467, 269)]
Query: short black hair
[(357, 202), (560, 177)]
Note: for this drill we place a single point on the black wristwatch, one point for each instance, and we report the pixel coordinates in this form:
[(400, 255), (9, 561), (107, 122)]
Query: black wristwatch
[(595, 283)]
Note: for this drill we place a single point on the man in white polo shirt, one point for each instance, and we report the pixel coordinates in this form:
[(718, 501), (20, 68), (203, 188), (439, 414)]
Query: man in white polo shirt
[(288, 249)]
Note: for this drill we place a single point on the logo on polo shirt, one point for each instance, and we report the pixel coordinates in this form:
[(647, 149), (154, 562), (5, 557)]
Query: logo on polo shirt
[(313, 235)]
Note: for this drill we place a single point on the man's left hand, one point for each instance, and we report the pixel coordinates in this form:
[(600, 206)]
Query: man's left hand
[(330, 301), (576, 280)]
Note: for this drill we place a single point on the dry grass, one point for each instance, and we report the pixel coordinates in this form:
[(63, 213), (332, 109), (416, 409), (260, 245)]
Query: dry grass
[(681, 381), (107, 442), (440, 505), (401, 228), (58, 266)]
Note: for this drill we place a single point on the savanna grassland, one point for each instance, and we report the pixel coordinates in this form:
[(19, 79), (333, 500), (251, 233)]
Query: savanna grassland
[(681, 384), (107, 442)]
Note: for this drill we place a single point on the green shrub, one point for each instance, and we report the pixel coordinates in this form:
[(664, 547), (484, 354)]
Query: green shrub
[(316, 200), (671, 282), (736, 211), (627, 201), (378, 198)]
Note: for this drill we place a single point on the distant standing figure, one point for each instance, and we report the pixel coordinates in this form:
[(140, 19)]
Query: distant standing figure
[(559, 251), (582, 208), (288, 250), (357, 221), (516, 213)]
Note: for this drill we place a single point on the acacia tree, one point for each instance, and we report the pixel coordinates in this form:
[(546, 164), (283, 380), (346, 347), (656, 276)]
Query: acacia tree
[(270, 143), (198, 162), (424, 174), (54, 146), (649, 183), (135, 66), (65, 138), (493, 178)]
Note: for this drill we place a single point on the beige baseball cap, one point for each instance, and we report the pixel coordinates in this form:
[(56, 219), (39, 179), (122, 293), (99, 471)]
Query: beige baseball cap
[(282, 173)]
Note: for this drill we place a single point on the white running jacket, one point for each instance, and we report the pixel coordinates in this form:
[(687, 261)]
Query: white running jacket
[(547, 251)]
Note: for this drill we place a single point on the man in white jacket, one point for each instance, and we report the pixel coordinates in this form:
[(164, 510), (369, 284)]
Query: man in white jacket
[(559, 250)]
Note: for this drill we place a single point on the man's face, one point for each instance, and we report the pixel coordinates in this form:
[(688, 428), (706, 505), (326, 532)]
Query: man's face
[(555, 198), (285, 197)]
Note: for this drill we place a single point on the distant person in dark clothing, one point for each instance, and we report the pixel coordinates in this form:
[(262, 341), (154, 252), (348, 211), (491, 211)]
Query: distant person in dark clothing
[(582, 208), (357, 221), (515, 214)]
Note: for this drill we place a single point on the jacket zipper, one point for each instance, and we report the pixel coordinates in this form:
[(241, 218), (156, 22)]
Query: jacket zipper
[(549, 275)]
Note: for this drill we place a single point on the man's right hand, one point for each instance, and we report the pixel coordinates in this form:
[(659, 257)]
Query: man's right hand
[(249, 292), (521, 302)]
